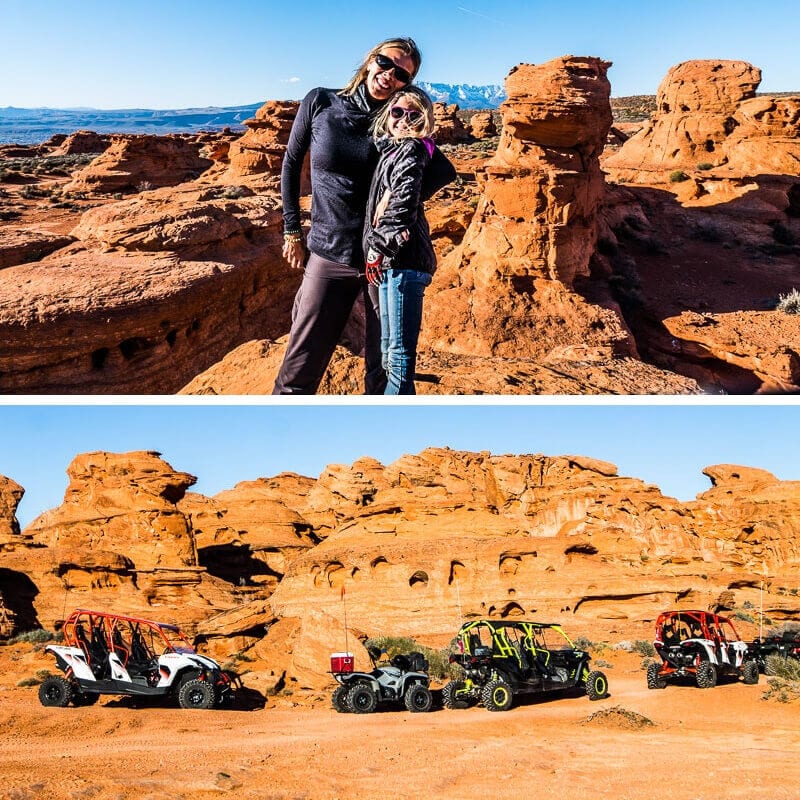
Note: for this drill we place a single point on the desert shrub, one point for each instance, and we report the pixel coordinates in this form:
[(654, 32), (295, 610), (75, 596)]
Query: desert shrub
[(235, 192), (35, 636), (644, 648), (678, 176), (705, 165), (144, 186), (780, 667), (784, 683), (748, 605), (28, 682), (744, 616), (789, 303)]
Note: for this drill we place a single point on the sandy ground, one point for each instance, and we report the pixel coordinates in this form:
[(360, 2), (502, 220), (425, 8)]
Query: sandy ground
[(721, 743)]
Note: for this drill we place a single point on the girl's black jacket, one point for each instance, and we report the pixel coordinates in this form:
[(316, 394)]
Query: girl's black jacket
[(402, 235), (336, 129)]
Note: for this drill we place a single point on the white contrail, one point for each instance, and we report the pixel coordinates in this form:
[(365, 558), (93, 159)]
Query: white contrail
[(478, 14)]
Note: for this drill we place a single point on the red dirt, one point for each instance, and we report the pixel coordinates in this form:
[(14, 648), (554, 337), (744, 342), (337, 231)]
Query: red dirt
[(725, 742)]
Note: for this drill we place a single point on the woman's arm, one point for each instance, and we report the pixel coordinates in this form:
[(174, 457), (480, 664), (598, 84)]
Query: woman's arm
[(292, 167)]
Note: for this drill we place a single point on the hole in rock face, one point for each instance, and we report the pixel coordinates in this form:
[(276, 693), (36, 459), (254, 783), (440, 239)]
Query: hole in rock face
[(171, 338), (130, 347), (514, 610), (418, 580), (583, 549), (709, 146), (99, 357), (457, 572)]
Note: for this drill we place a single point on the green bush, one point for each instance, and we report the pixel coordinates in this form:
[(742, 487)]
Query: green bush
[(678, 176), (789, 303), (28, 682), (744, 616), (786, 668), (36, 636), (644, 648), (705, 165)]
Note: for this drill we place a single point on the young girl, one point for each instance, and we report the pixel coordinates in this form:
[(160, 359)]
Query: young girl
[(400, 256)]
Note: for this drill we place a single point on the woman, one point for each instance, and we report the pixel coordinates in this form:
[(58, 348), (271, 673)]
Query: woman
[(335, 127)]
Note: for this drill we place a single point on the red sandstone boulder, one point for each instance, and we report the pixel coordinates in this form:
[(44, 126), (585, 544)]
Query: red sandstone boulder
[(481, 125), (448, 127), (25, 245), (82, 142), (138, 163)]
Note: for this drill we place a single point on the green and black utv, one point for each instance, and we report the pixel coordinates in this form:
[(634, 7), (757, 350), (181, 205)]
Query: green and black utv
[(501, 659)]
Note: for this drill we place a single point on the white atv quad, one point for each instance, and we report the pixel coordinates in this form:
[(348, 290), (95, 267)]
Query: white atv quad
[(402, 680), (120, 655)]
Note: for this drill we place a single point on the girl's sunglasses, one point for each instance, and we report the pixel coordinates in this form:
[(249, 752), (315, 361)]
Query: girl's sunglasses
[(413, 115), (386, 64)]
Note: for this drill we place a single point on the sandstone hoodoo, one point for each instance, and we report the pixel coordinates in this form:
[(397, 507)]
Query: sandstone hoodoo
[(413, 548), (509, 289), (449, 129)]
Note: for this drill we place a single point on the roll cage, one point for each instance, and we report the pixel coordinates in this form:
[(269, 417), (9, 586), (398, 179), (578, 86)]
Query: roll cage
[(132, 639)]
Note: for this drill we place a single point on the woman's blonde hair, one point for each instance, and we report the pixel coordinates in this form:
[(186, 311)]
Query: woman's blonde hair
[(417, 99), (406, 45)]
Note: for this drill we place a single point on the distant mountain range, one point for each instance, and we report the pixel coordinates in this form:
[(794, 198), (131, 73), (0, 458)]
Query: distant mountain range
[(33, 125), (464, 94)]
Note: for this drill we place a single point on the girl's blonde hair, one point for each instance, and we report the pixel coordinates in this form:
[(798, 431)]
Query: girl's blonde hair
[(406, 45), (417, 99)]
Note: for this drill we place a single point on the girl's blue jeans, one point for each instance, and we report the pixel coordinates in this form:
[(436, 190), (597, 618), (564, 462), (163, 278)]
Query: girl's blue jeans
[(400, 296)]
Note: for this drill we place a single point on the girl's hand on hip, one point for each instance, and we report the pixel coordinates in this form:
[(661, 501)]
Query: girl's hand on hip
[(295, 254)]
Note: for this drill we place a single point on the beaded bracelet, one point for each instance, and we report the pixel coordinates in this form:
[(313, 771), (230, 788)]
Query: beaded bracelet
[(295, 237)]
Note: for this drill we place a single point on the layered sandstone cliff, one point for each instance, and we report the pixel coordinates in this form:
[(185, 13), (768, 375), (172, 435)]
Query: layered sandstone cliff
[(414, 547)]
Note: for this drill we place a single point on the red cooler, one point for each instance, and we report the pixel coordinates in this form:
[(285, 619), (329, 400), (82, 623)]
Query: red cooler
[(341, 662)]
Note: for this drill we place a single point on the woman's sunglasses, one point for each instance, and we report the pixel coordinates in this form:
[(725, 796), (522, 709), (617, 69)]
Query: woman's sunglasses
[(413, 115), (385, 63)]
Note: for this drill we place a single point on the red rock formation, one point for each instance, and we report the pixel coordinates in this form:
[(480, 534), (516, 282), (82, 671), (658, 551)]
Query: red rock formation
[(10, 495), (120, 542), (695, 106), (25, 245), (160, 288), (764, 344), (766, 139), (82, 142), (508, 289), (481, 125), (135, 162), (448, 128), (260, 151), (250, 533)]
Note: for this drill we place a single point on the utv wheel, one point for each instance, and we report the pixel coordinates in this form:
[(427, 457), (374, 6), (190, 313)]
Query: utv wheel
[(339, 699), (451, 697), (55, 691), (196, 694), (361, 699), (85, 698), (497, 696), (653, 679), (750, 672), (596, 685), (706, 675), (418, 698)]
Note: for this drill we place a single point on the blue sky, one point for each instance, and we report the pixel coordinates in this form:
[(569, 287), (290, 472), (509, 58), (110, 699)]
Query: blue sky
[(663, 444), (187, 53)]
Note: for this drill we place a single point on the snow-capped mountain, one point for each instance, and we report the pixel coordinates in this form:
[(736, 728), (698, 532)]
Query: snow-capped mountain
[(466, 95)]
